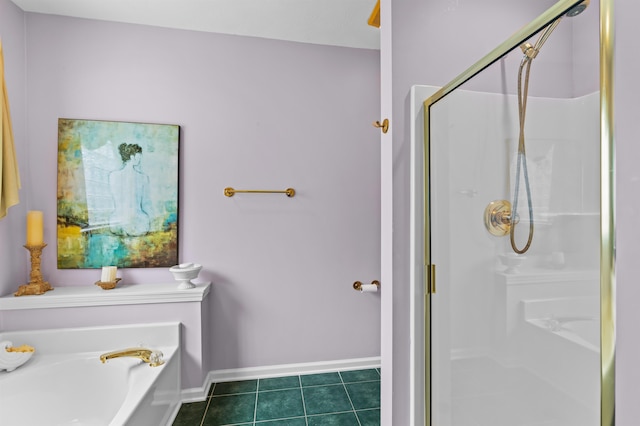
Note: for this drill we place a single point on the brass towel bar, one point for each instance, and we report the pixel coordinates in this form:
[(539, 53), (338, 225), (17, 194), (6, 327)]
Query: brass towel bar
[(229, 192)]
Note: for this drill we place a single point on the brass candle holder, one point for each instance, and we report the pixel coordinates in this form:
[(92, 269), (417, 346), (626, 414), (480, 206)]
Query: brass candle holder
[(36, 284)]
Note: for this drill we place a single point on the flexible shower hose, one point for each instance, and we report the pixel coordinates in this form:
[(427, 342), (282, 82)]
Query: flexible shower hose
[(521, 162)]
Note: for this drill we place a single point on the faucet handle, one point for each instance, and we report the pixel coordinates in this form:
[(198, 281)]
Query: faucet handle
[(155, 359)]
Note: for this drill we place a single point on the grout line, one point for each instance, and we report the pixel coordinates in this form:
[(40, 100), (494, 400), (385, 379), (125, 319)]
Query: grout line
[(260, 422), (334, 412), (283, 389), (350, 402), (304, 406), (204, 414), (360, 381), (255, 405), (233, 394)]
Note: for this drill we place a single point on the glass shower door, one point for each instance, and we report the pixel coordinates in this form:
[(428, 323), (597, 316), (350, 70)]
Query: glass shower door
[(519, 323), (515, 337)]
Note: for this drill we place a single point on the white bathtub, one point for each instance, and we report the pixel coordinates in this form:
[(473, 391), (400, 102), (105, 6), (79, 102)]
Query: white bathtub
[(573, 319), (584, 331), (561, 344), (65, 383), (587, 330)]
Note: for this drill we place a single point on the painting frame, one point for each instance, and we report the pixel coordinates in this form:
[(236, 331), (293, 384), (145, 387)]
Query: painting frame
[(117, 194)]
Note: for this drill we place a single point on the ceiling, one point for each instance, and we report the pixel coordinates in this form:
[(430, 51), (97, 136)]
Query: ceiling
[(330, 22)]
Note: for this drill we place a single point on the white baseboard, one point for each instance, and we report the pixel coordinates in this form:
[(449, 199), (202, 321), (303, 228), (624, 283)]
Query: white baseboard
[(234, 374)]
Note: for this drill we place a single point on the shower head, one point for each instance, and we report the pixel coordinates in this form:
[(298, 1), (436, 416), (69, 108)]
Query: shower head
[(531, 51), (577, 9)]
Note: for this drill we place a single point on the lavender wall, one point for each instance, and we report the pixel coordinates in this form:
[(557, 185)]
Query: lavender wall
[(14, 258), (627, 129), (585, 58), (254, 114)]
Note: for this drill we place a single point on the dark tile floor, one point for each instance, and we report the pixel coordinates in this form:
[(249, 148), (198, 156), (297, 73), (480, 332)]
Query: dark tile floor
[(340, 398)]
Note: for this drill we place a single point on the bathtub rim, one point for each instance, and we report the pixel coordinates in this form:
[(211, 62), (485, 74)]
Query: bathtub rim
[(85, 339)]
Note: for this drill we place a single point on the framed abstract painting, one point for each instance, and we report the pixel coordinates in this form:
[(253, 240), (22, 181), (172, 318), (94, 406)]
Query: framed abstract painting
[(117, 194)]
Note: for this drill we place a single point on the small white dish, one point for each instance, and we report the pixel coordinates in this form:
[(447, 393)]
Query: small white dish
[(184, 273), (11, 360), (512, 261)]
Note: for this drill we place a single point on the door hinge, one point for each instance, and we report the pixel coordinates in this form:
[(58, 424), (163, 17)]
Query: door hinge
[(430, 278)]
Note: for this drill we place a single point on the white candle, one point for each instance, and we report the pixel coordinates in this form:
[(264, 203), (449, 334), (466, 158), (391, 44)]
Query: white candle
[(34, 228), (108, 274)]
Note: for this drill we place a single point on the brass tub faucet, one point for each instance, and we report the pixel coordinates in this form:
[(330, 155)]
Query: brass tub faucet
[(153, 358)]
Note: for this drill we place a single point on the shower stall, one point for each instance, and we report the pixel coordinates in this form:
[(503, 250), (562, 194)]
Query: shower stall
[(513, 251)]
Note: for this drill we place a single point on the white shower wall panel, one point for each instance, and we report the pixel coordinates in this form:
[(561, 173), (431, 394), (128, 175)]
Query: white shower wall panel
[(478, 132)]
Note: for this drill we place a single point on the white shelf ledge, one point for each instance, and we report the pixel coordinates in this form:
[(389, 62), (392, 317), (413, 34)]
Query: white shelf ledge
[(546, 276), (92, 295)]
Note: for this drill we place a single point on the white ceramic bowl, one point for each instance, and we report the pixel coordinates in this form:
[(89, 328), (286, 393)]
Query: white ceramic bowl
[(11, 360), (512, 261), (184, 273)]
